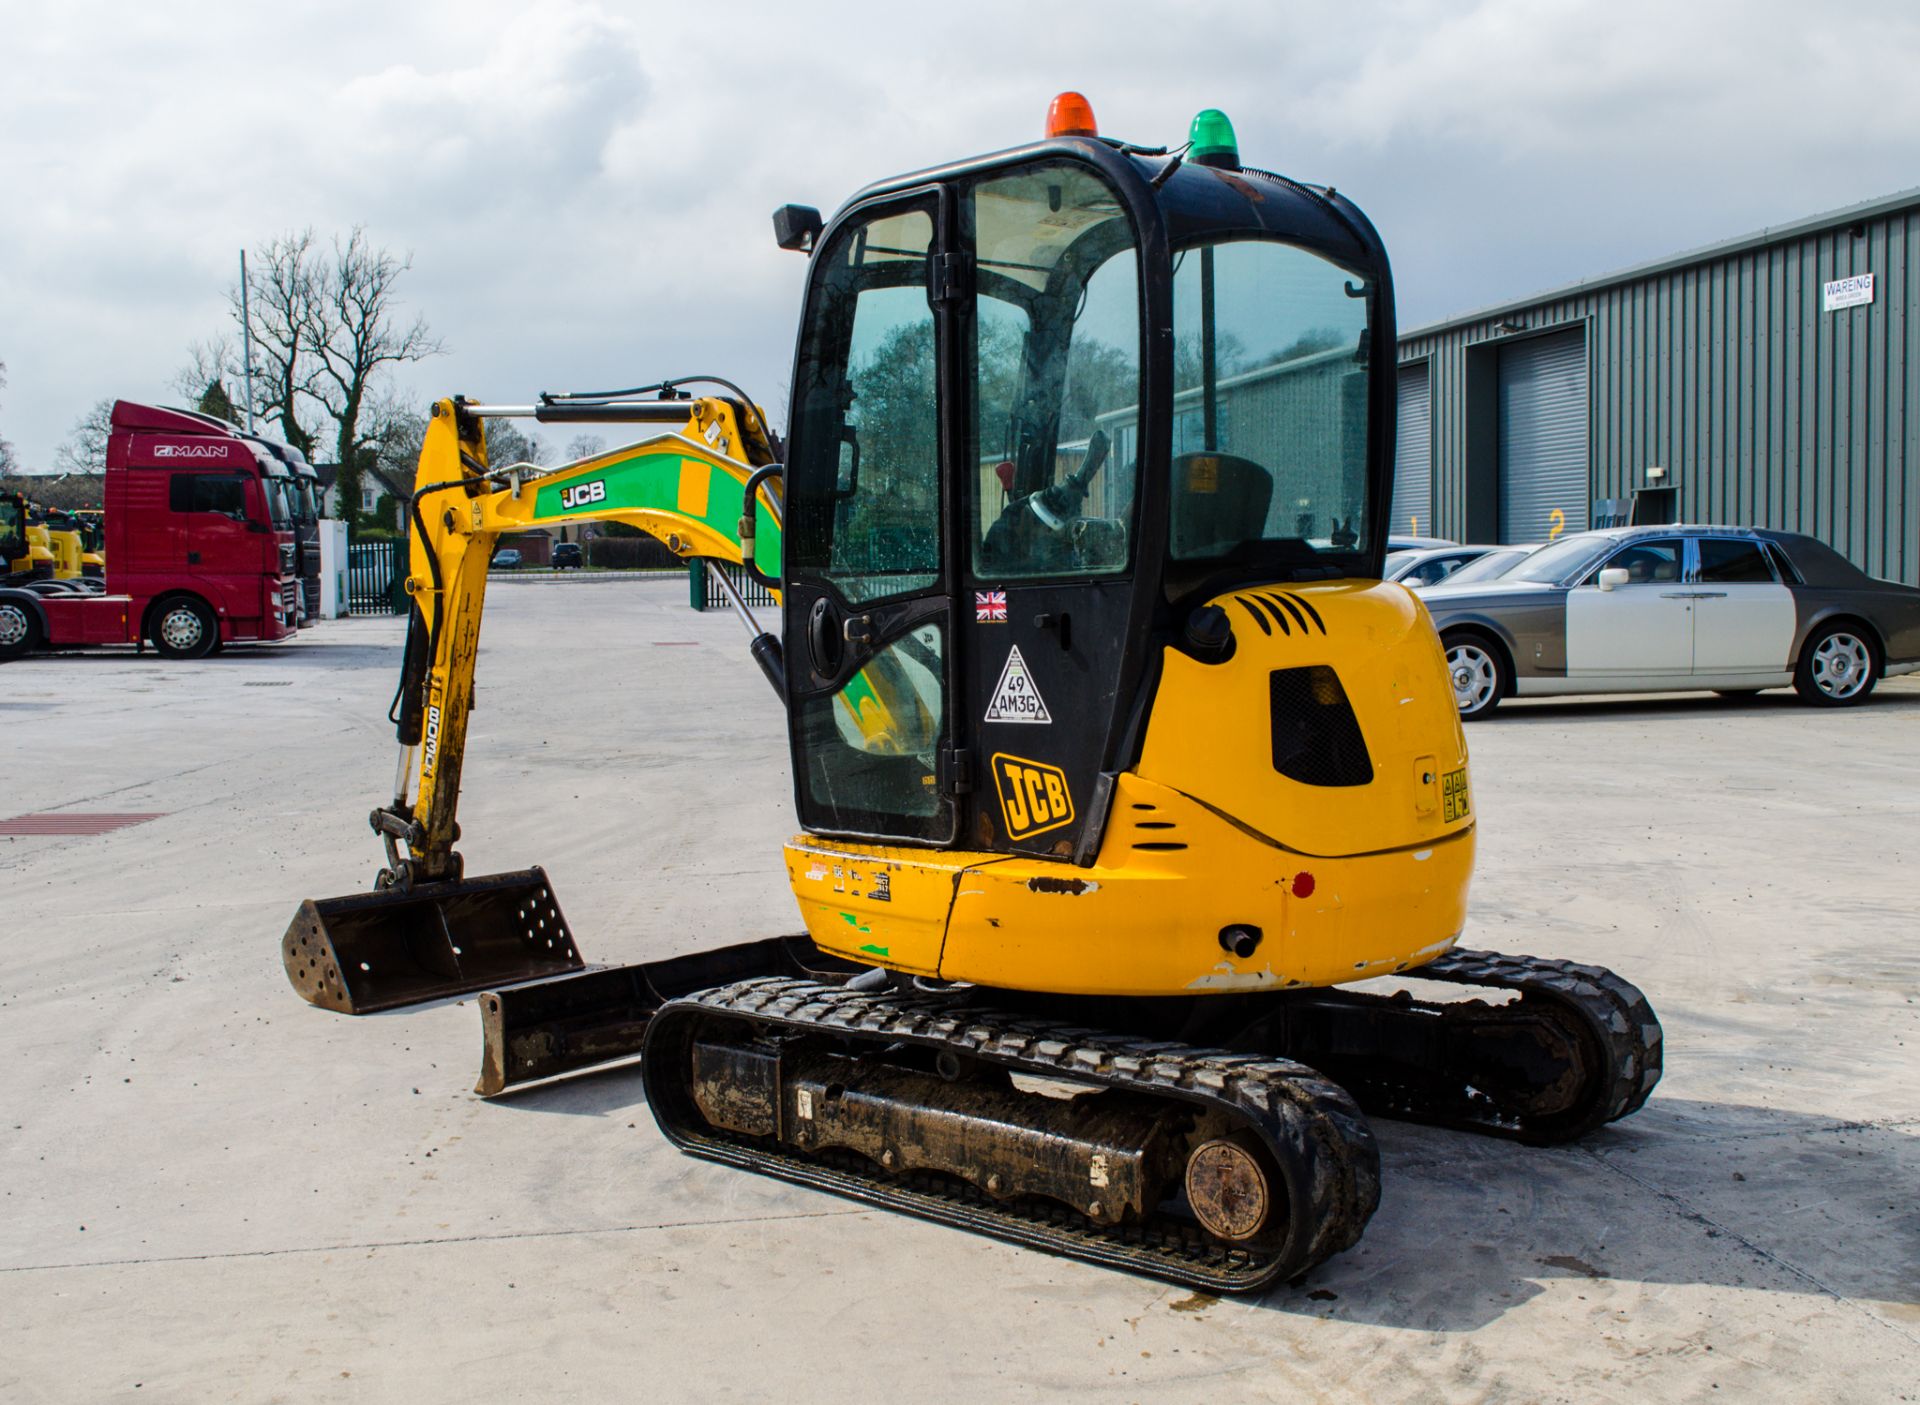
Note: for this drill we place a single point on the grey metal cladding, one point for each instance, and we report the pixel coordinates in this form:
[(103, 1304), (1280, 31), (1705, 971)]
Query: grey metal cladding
[(1724, 368), (1412, 510), (1543, 436)]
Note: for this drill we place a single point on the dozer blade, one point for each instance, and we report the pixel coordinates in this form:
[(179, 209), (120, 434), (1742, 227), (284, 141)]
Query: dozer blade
[(594, 1017), (384, 950)]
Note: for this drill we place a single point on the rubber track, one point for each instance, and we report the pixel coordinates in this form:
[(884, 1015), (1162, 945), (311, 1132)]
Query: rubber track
[(1302, 1114), (1614, 1010)]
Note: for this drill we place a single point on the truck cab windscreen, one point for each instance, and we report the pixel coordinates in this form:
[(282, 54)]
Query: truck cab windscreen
[(277, 507)]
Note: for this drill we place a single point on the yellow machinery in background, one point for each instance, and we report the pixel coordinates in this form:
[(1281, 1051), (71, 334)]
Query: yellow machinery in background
[(1114, 760), (26, 549)]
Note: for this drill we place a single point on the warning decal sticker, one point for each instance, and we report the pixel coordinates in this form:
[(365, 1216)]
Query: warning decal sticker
[(1015, 699)]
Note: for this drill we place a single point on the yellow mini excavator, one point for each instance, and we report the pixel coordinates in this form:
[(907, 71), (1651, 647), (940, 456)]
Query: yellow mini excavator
[(1114, 759)]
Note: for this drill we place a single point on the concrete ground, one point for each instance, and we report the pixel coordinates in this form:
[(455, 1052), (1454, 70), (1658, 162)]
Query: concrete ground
[(209, 1191)]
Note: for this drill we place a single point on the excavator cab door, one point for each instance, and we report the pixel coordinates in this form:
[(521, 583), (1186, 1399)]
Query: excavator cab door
[(960, 539), (868, 592)]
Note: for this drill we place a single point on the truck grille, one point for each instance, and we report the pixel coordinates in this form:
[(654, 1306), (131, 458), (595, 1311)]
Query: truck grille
[(286, 558), (290, 598)]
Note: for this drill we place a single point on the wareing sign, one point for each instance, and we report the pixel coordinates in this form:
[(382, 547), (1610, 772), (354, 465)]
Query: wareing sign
[(1856, 291)]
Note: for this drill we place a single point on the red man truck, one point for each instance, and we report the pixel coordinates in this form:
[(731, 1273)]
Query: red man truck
[(200, 546)]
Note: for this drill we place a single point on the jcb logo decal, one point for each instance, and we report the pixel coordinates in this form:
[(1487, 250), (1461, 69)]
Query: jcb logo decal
[(582, 494), (1033, 796)]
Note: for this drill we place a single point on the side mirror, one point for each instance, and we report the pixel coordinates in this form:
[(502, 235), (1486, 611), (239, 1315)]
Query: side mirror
[(1613, 576), (796, 227)]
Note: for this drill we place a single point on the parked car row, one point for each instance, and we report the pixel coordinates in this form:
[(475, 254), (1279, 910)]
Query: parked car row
[(1674, 609), (566, 555)]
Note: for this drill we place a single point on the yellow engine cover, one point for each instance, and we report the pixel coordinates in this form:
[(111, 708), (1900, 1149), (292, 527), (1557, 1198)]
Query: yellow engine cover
[(1339, 877)]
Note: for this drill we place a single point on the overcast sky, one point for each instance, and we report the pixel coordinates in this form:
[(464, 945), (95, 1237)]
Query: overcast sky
[(585, 188)]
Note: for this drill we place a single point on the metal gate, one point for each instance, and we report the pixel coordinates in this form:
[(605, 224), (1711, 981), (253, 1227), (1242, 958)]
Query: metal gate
[(1543, 437), (376, 576), (708, 596), (1413, 458)]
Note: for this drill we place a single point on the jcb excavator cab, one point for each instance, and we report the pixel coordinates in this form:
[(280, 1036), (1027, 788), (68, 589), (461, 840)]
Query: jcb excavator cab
[(1054, 410), (1046, 404)]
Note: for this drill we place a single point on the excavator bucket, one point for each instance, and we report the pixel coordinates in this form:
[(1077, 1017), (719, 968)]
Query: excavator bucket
[(384, 950), (589, 1018)]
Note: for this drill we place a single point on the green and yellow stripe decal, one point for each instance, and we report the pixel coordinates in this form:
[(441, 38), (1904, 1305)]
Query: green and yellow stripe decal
[(667, 479)]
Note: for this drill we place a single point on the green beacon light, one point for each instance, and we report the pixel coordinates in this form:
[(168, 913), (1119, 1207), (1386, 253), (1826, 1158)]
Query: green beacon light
[(1210, 141)]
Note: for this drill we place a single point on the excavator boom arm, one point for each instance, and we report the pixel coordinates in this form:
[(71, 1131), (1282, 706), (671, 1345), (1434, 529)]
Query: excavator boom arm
[(683, 486)]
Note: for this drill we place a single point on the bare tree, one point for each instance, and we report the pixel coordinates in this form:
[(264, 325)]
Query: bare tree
[(584, 446), (85, 450), (326, 327), (286, 304), (508, 444), (359, 335), (210, 363), (396, 432)]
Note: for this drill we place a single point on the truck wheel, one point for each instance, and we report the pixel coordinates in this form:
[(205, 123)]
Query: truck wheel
[(183, 628), (19, 630), (1837, 667)]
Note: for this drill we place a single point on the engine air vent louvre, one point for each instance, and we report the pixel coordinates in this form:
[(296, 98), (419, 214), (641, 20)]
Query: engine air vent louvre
[(1316, 737), (1281, 607)]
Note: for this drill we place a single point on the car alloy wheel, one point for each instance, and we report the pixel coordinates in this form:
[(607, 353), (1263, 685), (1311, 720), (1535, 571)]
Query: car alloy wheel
[(1476, 677), (1842, 665), (15, 625)]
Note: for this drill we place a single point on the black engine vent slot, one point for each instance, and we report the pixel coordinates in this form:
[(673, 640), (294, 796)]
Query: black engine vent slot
[(1316, 737)]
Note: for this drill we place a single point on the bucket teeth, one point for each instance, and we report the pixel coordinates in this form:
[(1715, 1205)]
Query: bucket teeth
[(389, 949)]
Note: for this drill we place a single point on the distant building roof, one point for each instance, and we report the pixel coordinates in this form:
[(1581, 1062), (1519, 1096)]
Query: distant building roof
[(1759, 239)]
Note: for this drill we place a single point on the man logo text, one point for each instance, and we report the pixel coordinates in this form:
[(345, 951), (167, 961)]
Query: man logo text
[(583, 493), (1033, 796)]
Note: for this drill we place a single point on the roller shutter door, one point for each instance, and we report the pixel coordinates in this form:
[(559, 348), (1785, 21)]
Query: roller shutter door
[(1413, 458), (1543, 437)]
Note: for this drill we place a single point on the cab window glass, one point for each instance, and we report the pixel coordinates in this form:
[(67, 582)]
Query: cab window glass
[(866, 492), (1648, 563), (1055, 367), (224, 493), (1733, 562), (1270, 402), (871, 750)]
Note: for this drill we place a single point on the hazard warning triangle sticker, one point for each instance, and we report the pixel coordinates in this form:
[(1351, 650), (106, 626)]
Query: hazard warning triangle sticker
[(1015, 699)]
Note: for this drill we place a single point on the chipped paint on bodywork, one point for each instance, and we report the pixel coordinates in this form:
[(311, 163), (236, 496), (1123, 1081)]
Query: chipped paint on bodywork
[(1224, 977), (1073, 887)]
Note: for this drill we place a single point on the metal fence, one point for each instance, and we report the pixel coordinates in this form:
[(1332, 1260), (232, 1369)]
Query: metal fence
[(705, 595), (376, 578)]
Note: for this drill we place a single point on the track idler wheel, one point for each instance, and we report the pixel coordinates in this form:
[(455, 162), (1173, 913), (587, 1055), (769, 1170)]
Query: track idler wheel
[(1233, 1191)]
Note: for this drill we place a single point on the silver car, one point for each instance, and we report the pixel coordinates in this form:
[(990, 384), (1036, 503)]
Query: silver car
[(1676, 609), (1425, 566)]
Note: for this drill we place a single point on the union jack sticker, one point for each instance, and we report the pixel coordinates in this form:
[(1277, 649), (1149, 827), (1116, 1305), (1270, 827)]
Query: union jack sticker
[(990, 606)]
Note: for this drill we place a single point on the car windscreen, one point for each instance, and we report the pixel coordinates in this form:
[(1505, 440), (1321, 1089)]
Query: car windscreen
[(1489, 567), (1559, 562)]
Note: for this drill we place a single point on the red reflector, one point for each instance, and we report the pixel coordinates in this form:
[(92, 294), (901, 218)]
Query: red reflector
[(1071, 115)]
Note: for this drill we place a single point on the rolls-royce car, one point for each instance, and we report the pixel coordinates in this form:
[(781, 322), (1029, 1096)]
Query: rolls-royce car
[(1676, 609)]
